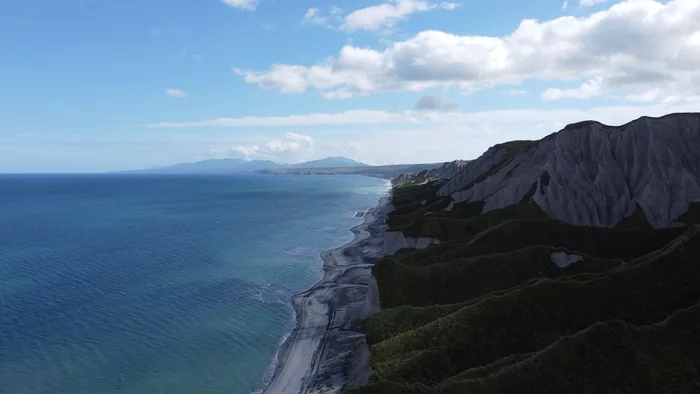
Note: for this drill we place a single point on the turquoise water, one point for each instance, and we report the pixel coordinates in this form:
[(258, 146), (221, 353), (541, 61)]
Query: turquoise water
[(160, 284)]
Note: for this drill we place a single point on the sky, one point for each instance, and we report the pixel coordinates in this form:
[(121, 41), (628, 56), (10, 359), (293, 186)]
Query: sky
[(102, 85)]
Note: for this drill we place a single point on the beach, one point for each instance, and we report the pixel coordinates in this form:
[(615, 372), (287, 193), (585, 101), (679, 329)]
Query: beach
[(327, 352)]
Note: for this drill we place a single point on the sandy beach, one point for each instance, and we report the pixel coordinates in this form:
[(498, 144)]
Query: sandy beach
[(326, 352)]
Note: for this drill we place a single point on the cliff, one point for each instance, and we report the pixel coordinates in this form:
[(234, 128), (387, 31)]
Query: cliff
[(446, 171), (568, 264), (592, 174)]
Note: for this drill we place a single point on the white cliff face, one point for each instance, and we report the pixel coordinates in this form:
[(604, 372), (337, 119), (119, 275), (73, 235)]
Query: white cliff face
[(395, 241), (592, 174)]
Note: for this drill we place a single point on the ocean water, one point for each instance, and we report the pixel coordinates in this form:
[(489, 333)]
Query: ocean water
[(160, 284)]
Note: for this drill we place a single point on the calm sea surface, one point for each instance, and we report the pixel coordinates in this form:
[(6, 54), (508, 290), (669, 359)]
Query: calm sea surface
[(160, 284)]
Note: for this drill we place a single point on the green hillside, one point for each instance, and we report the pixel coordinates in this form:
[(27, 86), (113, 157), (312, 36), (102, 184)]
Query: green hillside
[(490, 311), (608, 357)]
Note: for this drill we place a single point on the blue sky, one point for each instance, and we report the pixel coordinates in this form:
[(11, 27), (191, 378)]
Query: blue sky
[(99, 85)]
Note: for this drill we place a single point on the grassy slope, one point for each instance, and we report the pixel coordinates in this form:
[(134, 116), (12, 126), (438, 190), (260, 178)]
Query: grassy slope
[(466, 278), (530, 318), (519, 234), (692, 215), (460, 317), (608, 357), (455, 229)]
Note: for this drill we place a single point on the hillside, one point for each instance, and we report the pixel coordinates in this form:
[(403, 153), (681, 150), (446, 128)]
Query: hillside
[(547, 266)]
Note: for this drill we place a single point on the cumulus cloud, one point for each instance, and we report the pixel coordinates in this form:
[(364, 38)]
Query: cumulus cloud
[(380, 17), (386, 15), (435, 103), (291, 146), (242, 4), (295, 148), (592, 88), (632, 48), (177, 93), (590, 3)]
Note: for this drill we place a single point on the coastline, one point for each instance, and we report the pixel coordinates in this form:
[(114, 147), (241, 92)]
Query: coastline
[(326, 352)]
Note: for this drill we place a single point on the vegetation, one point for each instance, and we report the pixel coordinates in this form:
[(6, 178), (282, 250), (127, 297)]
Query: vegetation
[(457, 228), (692, 215), (490, 311), (518, 146), (466, 278), (637, 220), (518, 234), (608, 357)]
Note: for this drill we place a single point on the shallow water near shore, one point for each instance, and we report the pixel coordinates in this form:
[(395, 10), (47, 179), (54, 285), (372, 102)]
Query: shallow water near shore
[(160, 284)]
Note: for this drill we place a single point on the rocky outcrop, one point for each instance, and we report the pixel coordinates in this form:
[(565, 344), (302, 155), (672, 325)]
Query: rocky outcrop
[(446, 171), (592, 174), (563, 259)]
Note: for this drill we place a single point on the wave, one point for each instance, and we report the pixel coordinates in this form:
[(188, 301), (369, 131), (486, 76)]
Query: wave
[(300, 251), (274, 361)]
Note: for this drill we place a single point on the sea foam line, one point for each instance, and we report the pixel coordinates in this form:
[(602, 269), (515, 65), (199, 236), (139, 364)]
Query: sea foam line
[(272, 367)]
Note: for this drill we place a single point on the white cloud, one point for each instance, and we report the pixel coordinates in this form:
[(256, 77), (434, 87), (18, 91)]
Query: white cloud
[(295, 148), (289, 148), (269, 26), (634, 47), (590, 3), (565, 5), (313, 17), (435, 103), (386, 15), (177, 93), (591, 88), (516, 92), (242, 4), (378, 18)]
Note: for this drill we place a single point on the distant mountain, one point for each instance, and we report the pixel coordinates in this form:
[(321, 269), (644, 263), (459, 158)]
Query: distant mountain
[(213, 166), (330, 162), (241, 165)]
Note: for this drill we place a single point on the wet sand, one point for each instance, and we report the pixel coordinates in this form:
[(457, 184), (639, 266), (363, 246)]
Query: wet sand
[(326, 352)]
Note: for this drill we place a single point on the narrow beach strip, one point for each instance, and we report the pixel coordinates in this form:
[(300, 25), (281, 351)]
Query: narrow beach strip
[(326, 352)]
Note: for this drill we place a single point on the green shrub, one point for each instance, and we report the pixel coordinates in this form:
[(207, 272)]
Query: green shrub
[(466, 278), (535, 316)]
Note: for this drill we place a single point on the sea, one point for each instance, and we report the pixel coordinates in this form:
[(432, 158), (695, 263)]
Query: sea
[(147, 284)]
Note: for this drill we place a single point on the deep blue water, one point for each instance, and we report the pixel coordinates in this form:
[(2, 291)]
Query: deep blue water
[(159, 284)]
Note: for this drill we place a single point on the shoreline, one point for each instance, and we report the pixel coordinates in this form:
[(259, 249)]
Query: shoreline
[(326, 352)]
